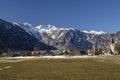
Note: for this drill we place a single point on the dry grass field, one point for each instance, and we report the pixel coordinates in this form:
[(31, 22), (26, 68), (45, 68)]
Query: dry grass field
[(62, 69)]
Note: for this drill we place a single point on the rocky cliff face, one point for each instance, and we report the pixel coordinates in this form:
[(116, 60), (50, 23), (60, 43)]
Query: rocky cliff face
[(117, 38), (69, 38), (100, 41), (66, 39)]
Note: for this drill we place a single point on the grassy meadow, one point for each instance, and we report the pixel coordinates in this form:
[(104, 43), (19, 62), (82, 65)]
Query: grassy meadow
[(61, 69)]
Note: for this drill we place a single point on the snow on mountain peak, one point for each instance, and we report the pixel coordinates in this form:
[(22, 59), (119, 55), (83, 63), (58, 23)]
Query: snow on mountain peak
[(14, 23), (27, 24), (45, 28), (94, 32), (49, 28)]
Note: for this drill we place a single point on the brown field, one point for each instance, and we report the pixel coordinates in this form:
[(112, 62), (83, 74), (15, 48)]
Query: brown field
[(62, 69)]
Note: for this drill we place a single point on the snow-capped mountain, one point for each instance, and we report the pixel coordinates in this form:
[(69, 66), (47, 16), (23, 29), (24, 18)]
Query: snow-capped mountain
[(63, 38), (26, 37), (68, 38), (14, 37)]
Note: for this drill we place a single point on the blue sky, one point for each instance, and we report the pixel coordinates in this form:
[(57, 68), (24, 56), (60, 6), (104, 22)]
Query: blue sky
[(81, 14)]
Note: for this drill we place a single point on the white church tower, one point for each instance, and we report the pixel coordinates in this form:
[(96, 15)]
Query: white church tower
[(112, 46)]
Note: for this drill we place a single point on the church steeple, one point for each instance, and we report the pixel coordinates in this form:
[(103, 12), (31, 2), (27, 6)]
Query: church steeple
[(112, 46), (112, 41)]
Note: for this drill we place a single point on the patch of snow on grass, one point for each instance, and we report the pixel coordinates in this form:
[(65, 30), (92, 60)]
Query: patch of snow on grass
[(30, 57), (7, 67), (68, 57), (1, 69), (26, 57)]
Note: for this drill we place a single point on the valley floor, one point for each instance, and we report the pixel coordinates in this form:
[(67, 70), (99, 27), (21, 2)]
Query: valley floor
[(97, 68)]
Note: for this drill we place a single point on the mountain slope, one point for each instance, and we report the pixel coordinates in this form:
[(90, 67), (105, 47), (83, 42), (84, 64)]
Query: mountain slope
[(64, 38), (14, 37), (69, 38)]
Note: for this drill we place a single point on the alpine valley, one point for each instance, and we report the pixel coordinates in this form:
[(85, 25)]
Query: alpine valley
[(17, 36)]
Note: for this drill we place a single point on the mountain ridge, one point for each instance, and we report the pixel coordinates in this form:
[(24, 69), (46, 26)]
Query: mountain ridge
[(13, 37), (51, 37)]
